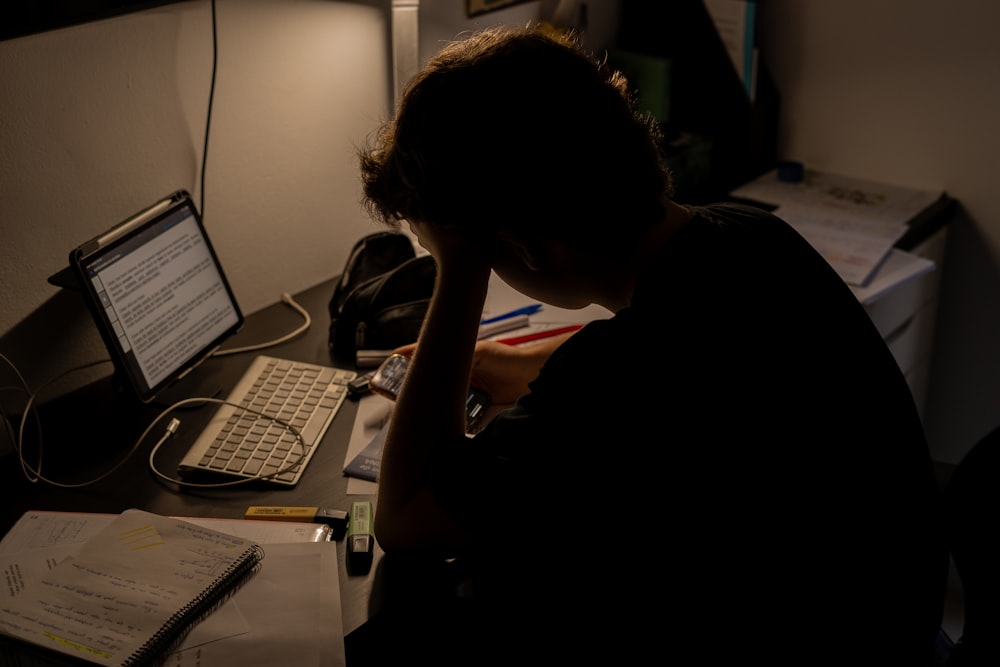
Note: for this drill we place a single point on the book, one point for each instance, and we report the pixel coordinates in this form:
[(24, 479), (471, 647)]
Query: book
[(129, 594)]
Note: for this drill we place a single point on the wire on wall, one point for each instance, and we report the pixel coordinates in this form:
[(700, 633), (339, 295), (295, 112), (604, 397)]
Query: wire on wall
[(208, 117), (33, 471)]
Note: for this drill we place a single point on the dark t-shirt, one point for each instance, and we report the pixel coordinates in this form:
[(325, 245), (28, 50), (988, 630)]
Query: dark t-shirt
[(731, 466)]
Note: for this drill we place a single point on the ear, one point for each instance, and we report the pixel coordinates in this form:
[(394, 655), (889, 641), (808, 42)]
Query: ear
[(527, 251)]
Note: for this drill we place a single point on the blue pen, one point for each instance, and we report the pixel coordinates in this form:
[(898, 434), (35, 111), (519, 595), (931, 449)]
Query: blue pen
[(527, 310)]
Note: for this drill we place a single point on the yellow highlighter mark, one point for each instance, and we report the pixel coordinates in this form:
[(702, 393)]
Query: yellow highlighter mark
[(141, 538), (78, 647)]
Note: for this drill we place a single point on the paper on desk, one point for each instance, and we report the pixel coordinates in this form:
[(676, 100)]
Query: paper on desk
[(294, 619), (502, 298), (878, 202), (369, 460), (44, 550), (852, 222), (854, 246), (373, 415), (898, 268), (39, 529), (235, 634), (20, 568)]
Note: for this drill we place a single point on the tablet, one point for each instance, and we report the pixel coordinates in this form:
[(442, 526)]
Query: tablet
[(158, 294)]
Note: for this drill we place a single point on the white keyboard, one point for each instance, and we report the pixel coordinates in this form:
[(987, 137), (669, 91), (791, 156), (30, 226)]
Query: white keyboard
[(242, 444)]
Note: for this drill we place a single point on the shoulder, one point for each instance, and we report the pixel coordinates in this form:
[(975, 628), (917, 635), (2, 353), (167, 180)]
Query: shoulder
[(731, 234), (733, 212), (735, 219), (742, 248)]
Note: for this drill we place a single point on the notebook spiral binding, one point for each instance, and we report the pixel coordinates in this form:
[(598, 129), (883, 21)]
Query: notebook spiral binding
[(156, 651)]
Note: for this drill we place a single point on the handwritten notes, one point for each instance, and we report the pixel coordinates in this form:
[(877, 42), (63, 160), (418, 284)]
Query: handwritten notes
[(289, 613), (132, 589)]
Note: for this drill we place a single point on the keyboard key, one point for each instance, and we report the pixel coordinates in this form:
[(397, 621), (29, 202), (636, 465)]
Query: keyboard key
[(305, 396)]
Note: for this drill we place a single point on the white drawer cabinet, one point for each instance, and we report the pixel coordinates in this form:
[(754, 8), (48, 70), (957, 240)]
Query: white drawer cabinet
[(906, 316)]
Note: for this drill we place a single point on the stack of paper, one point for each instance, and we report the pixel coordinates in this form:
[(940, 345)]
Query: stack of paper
[(289, 613), (853, 223)]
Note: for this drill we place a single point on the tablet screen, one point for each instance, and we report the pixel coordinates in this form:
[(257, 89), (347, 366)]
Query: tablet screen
[(158, 294)]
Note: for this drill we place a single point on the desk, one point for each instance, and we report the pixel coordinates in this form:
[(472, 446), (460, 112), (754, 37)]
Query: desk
[(94, 420)]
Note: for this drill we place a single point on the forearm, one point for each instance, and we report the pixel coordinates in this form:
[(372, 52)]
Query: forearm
[(430, 410), (505, 371)]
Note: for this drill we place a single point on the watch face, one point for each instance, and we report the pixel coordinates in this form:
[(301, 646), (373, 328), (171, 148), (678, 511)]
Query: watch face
[(388, 379)]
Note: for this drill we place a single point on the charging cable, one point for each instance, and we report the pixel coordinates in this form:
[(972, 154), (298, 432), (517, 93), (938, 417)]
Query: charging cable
[(286, 298), (172, 428), (33, 473)]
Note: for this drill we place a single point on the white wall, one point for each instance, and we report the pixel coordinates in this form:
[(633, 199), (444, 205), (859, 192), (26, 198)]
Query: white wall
[(102, 119), (443, 20), (908, 92)]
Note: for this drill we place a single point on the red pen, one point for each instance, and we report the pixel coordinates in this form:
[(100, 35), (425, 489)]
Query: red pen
[(538, 335)]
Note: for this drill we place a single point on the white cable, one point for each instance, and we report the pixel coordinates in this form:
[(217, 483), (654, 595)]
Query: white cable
[(17, 441), (152, 454), (285, 298), (28, 407), (34, 474), (8, 425)]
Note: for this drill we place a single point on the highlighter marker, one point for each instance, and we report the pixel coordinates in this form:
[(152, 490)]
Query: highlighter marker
[(360, 539), (336, 519)]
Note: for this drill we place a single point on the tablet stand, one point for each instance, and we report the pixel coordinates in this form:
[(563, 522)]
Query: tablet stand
[(190, 386)]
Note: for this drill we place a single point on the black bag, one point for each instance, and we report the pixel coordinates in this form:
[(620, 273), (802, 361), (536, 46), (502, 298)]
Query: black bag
[(382, 296)]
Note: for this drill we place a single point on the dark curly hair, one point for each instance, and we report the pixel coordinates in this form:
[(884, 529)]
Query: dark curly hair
[(519, 129)]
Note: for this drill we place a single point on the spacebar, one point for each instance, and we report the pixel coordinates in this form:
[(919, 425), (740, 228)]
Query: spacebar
[(311, 430)]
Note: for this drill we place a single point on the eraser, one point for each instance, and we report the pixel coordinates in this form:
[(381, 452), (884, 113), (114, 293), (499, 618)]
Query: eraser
[(336, 519), (360, 538)]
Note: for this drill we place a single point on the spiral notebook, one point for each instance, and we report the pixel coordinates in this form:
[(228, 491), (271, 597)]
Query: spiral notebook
[(129, 595)]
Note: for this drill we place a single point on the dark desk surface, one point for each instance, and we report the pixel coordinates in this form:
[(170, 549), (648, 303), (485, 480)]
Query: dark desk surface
[(96, 421)]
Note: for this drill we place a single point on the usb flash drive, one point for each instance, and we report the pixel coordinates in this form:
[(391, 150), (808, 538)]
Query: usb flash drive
[(358, 387), (360, 539)]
